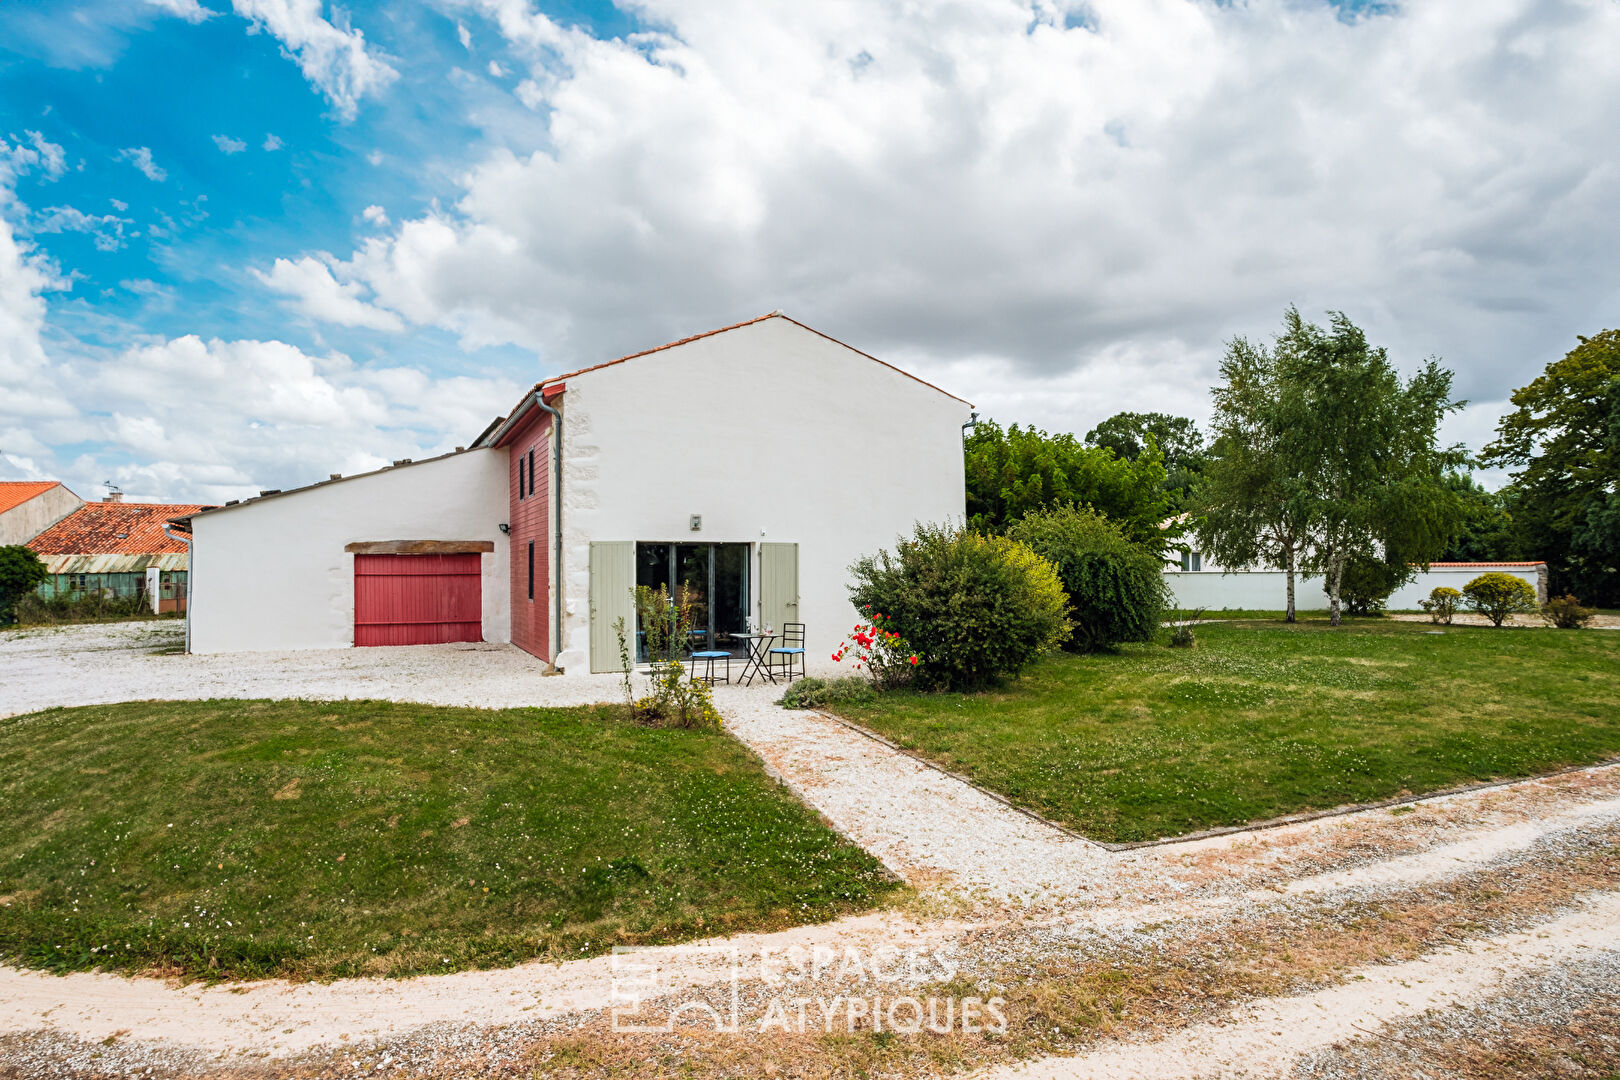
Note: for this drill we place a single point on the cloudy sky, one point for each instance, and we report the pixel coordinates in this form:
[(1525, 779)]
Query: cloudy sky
[(245, 243)]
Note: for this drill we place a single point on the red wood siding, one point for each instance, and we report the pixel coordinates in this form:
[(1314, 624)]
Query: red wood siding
[(417, 599), (529, 518)]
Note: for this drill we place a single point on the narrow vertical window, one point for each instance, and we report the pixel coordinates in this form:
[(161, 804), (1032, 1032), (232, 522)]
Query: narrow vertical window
[(531, 569), (531, 472), (520, 477)]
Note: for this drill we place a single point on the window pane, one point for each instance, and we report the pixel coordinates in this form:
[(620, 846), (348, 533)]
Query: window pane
[(731, 596), (692, 575)]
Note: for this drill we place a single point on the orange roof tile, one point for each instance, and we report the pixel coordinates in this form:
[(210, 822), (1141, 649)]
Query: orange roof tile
[(114, 529), (13, 493)]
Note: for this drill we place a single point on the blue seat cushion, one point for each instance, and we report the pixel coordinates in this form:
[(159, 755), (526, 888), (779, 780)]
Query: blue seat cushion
[(787, 650), (710, 655)]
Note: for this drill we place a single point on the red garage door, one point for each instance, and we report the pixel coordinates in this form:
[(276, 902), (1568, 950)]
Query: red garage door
[(416, 599)]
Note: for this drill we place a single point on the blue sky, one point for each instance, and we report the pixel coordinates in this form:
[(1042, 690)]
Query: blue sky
[(249, 242)]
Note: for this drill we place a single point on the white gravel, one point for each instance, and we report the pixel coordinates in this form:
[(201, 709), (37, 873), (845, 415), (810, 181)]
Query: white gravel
[(924, 825), (1267, 1037), (105, 663)]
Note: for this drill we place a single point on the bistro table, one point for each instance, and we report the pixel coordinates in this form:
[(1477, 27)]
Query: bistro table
[(757, 660)]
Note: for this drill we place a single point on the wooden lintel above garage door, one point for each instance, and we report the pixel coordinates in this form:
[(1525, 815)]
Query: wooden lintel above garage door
[(419, 547)]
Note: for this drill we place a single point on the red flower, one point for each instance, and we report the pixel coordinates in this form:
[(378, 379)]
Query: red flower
[(913, 659)]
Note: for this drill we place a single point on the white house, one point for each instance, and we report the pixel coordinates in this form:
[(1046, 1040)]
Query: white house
[(751, 464), (1198, 582)]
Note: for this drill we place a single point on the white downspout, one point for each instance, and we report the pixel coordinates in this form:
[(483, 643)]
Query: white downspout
[(191, 577)]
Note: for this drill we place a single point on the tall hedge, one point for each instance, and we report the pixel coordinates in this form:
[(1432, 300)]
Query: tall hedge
[(975, 608), (1115, 588)]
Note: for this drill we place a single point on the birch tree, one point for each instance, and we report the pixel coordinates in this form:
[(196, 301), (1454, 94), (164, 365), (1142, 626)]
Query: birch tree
[(1247, 507), (1361, 449)]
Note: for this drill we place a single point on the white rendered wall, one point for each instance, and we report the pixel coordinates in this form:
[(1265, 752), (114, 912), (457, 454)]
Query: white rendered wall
[(772, 433), (1267, 590), (27, 520), (273, 574)]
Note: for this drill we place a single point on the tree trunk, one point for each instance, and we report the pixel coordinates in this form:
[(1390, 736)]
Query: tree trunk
[(1335, 576), (1289, 558)]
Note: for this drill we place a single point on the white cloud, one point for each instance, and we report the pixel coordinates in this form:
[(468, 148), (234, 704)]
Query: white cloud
[(496, 70), (983, 188), (464, 36), (375, 215), (141, 158), (106, 229), (317, 294), (334, 58), (17, 159), (189, 10), (119, 204), (273, 142), (228, 145)]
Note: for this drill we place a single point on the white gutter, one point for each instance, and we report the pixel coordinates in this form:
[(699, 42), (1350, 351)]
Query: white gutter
[(191, 576)]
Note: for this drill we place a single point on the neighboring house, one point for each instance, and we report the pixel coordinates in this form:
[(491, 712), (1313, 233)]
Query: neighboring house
[(1197, 582), (29, 507), (117, 549), (751, 465)]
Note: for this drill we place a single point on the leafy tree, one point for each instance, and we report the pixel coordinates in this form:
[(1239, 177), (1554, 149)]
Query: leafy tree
[(1595, 543), (1487, 533), (1116, 588), (1364, 450), (1247, 507), (21, 572), (1013, 471), (1131, 434), (1367, 583), (1564, 437)]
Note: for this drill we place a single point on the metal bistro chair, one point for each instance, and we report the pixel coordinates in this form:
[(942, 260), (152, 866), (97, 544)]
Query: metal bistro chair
[(709, 656), (792, 646)]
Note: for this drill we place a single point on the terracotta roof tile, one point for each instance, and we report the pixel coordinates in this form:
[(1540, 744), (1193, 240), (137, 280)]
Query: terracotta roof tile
[(13, 493), (114, 529)]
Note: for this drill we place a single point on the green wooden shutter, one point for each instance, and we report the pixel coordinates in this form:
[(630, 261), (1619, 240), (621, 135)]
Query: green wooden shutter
[(613, 576), (778, 584)]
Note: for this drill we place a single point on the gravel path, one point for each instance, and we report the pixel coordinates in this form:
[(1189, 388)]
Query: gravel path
[(1266, 1038), (926, 826)]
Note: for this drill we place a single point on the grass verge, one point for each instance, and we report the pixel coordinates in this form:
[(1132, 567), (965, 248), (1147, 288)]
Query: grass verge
[(1265, 719), (324, 839)]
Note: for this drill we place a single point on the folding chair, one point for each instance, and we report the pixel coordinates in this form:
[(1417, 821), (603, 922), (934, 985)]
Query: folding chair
[(792, 647)]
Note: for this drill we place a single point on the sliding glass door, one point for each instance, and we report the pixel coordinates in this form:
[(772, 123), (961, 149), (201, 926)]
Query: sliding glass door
[(713, 578)]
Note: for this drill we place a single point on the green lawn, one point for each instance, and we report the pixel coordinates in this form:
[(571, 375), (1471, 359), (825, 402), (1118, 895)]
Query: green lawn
[(309, 839), (1263, 719)]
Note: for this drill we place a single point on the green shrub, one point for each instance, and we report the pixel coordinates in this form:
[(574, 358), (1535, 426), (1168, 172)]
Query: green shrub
[(1366, 584), (1441, 604), (79, 607), (1566, 613), (812, 693), (976, 608), (1116, 588), (1496, 596), (21, 572)]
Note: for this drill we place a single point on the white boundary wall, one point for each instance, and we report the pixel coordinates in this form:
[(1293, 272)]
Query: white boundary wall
[(772, 433), (272, 573), (1267, 590)]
